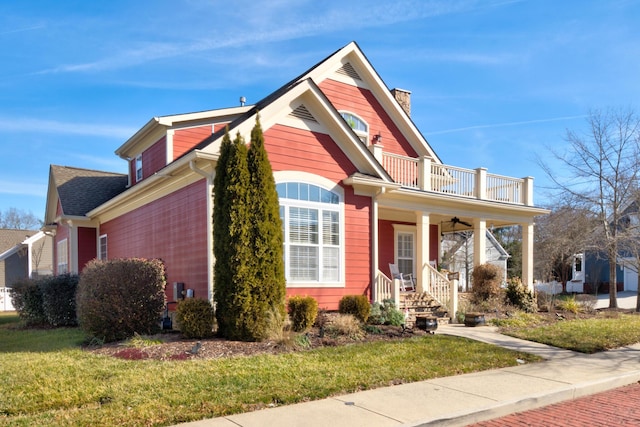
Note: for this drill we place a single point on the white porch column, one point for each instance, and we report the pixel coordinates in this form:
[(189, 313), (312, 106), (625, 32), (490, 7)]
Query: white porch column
[(374, 253), (481, 183), (528, 191), (72, 248), (479, 242), (422, 250), (424, 173), (527, 255)]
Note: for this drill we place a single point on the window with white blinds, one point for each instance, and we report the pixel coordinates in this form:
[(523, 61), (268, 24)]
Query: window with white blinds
[(311, 220)]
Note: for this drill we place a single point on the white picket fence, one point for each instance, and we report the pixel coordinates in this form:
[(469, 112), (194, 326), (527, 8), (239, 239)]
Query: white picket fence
[(5, 300)]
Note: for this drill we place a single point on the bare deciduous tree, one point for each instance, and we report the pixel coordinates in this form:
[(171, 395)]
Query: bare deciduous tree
[(561, 235), (19, 219), (602, 166)]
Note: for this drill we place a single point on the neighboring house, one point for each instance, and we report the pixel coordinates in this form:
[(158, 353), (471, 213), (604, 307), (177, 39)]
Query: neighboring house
[(457, 255), (24, 254), (359, 188)]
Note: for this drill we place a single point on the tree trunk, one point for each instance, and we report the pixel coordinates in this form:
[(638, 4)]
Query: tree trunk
[(613, 287)]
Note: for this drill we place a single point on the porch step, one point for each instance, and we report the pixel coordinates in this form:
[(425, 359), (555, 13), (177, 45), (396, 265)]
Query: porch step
[(421, 305)]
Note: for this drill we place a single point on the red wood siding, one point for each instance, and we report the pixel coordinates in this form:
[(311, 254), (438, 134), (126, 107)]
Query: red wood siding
[(219, 126), (387, 243), (185, 139), (362, 103), (87, 246), (293, 149), (154, 158), (173, 229)]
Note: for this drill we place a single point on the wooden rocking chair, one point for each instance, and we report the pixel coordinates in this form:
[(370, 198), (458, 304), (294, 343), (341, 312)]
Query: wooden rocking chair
[(406, 280)]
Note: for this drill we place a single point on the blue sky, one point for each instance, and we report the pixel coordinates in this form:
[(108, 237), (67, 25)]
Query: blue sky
[(493, 82)]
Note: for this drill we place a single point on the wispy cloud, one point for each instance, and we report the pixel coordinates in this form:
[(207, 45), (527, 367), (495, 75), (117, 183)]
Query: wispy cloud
[(20, 30), (22, 188), (30, 125), (496, 125), (293, 22)]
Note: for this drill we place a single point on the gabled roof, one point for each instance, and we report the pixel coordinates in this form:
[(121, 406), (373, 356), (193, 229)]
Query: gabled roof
[(30, 236), (12, 237), (81, 190)]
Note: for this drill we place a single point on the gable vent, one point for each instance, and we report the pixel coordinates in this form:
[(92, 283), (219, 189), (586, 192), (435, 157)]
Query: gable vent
[(302, 113), (348, 70)]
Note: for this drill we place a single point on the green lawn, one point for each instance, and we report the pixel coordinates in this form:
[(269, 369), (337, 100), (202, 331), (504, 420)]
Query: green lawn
[(47, 379), (583, 335)]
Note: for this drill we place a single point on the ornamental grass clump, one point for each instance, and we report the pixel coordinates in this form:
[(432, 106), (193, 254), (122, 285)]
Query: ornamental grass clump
[(195, 317), (487, 279), (121, 297)]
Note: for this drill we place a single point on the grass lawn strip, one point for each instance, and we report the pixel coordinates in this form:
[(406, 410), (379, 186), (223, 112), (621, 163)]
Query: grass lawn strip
[(583, 335), (68, 386)]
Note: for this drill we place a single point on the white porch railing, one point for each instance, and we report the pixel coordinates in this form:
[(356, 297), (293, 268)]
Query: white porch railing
[(422, 174), (385, 288), (439, 286)]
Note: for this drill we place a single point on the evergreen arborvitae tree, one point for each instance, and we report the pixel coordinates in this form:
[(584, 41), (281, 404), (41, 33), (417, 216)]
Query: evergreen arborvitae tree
[(232, 244), (267, 265)]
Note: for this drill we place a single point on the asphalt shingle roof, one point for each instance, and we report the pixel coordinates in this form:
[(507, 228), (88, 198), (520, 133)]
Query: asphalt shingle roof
[(81, 190), (11, 237)]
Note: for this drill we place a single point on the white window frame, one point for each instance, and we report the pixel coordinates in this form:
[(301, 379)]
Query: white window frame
[(404, 230), (62, 256), (362, 134), (284, 177), (103, 252), (138, 163)]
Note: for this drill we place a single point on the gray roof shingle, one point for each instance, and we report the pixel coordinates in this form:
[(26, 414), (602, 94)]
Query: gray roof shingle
[(81, 190)]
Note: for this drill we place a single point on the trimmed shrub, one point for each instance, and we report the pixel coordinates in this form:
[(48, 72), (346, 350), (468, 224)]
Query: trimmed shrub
[(386, 314), (356, 305), (59, 299), (487, 279), (195, 317), (302, 312), (26, 296), (120, 297), (519, 296)]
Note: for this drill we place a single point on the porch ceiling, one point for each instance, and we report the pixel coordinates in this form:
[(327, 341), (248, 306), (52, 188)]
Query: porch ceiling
[(442, 219)]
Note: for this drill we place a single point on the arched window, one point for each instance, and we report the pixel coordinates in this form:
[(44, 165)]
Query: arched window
[(312, 228), (359, 126)]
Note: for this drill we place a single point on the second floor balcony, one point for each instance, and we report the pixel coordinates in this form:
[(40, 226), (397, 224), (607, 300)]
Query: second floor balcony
[(423, 174)]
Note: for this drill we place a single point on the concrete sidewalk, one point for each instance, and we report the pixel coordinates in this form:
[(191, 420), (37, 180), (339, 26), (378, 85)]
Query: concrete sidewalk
[(462, 399)]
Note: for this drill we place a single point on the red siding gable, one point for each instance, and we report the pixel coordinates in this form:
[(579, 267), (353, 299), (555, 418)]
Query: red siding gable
[(185, 139), (292, 149), (362, 102)]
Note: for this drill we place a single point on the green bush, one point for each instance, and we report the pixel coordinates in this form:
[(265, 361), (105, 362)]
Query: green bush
[(195, 317), (487, 279), (59, 299), (26, 296), (520, 297), (121, 297), (356, 305), (302, 312), (386, 314)]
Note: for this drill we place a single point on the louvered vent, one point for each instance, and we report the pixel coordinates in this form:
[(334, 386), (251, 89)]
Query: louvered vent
[(302, 113), (348, 70)]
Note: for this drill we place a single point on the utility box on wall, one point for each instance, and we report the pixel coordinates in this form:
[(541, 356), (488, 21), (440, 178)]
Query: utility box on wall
[(178, 291)]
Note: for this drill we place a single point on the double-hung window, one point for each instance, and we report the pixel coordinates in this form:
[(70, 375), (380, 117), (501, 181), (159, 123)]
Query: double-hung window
[(139, 168), (62, 255), (103, 247), (312, 228)]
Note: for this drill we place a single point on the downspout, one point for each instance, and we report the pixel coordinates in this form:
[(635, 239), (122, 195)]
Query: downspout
[(210, 259)]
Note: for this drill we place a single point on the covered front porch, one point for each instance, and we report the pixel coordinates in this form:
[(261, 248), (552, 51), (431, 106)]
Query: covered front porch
[(426, 200)]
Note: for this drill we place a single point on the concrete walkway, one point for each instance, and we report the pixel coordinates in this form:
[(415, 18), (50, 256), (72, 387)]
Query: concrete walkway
[(462, 399)]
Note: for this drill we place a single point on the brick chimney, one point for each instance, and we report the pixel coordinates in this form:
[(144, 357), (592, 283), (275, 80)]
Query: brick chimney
[(404, 99)]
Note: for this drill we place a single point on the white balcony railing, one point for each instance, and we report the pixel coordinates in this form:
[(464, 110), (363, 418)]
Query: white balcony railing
[(422, 174)]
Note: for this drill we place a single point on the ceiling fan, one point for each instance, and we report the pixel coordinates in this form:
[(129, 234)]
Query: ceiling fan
[(455, 220)]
